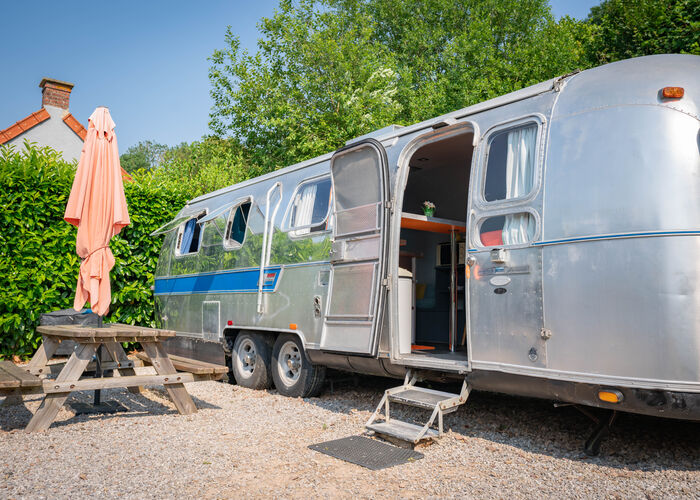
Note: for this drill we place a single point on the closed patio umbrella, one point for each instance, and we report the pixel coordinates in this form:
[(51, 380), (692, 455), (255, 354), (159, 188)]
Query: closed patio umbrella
[(97, 207)]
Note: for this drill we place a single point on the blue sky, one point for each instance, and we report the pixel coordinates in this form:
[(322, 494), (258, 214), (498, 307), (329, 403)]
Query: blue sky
[(145, 60)]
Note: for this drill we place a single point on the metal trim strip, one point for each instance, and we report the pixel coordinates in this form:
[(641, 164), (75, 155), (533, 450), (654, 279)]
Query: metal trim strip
[(617, 236), (580, 239), (589, 378)]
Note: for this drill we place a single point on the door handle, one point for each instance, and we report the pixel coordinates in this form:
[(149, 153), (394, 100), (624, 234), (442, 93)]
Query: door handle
[(471, 260)]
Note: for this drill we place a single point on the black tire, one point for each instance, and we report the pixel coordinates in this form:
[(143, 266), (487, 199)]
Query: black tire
[(292, 372), (250, 360)]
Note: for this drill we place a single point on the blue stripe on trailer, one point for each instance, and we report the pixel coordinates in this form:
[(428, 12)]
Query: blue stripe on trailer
[(227, 281)]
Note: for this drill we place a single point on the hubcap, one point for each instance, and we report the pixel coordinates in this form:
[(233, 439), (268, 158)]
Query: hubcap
[(289, 363), (246, 358)]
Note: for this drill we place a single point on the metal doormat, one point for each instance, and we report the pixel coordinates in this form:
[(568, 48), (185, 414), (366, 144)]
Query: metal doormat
[(104, 407), (366, 452)]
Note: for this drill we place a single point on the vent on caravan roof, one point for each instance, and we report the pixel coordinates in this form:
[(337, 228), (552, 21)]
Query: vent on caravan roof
[(175, 223), (377, 133)]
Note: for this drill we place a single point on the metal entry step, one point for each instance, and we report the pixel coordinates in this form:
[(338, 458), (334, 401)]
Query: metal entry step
[(409, 394), (421, 397), (404, 431)]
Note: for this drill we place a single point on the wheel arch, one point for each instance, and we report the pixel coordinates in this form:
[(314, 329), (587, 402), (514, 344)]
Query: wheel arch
[(271, 334)]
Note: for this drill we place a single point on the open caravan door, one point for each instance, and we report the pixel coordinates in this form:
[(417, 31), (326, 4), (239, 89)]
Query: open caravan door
[(358, 257)]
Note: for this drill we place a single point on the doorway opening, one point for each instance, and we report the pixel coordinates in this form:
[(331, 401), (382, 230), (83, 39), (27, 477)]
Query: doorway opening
[(432, 249)]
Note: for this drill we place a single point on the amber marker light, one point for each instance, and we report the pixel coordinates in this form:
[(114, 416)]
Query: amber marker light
[(672, 92), (610, 396), (292, 326)]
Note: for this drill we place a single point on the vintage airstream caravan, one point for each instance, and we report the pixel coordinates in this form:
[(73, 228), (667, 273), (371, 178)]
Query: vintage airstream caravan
[(562, 260)]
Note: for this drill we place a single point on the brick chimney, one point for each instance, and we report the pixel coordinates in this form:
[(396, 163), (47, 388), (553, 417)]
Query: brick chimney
[(55, 93)]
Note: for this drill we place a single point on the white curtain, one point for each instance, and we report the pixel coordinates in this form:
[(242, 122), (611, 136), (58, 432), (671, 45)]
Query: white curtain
[(304, 209), (520, 170)]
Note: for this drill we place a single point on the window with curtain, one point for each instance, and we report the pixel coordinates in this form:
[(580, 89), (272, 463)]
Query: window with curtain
[(189, 237), (511, 229), (237, 226), (310, 207), (510, 174), (510, 167)]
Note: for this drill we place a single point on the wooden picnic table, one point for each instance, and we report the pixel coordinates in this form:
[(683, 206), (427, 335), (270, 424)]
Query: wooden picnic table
[(28, 380)]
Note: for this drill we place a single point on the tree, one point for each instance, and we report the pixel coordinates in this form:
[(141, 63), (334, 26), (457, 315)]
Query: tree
[(317, 79), (327, 71), (632, 28), (453, 53), (206, 165), (145, 155)]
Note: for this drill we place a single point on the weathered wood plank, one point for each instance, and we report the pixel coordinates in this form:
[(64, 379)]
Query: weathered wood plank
[(12, 398), (126, 366), (46, 414), (26, 379), (77, 332), (90, 384), (27, 390), (42, 356), (7, 381), (163, 365), (190, 365), (213, 368)]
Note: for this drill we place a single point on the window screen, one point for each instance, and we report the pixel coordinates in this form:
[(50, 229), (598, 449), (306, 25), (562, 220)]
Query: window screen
[(189, 237), (511, 229), (310, 207), (510, 167), (237, 226)]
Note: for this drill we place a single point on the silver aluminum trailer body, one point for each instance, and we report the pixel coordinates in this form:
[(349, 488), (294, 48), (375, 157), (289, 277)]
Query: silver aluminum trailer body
[(601, 292)]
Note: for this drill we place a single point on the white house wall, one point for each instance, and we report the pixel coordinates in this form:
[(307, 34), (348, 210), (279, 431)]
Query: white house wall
[(53, 132)]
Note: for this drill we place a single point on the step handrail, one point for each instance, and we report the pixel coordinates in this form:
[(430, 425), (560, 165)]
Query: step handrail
[(268, 230)]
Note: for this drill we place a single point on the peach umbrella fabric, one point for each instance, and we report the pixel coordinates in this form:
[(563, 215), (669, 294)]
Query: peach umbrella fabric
[(97, 207)]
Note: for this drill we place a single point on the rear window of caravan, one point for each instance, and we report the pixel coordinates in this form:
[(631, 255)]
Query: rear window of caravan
[(310, 206)]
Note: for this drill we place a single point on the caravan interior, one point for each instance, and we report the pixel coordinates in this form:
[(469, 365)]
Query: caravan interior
[(433, 249)]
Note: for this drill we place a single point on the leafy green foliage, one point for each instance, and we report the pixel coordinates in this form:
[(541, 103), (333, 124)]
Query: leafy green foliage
[(206, 165), (632, 28), (454, 53), (327, 71), (38, 263), (143, 156), (317, 80)]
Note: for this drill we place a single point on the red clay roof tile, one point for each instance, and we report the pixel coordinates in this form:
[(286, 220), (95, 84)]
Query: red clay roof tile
[(75, 125), (23, 125), (42, 115)]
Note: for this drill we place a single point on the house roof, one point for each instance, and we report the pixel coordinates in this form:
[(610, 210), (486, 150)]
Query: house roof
[(23, 125), (35, 119), (75, 126), (40, 116)]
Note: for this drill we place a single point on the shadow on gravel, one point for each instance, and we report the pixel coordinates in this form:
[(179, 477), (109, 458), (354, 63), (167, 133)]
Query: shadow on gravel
[(138, 405), (535, 426)]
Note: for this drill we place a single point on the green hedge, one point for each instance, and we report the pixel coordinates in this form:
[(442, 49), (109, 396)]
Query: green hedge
[(38, 263)]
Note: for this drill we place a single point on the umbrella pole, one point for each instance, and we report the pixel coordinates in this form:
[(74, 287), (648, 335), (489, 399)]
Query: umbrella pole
[(98, 365)]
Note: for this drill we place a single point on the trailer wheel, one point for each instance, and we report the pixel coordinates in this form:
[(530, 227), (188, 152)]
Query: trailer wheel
[(292, 372), (251, 361)]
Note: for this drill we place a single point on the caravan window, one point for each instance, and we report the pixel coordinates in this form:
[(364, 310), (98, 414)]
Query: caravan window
[(504, 230), (310, 207), (237, 226), (189, 236), (511, 163)]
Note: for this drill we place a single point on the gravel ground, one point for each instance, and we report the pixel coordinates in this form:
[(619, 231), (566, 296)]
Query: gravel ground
[(244, 443)]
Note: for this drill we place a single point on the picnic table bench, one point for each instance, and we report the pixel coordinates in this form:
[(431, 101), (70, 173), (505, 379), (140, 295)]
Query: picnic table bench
[(14, 379), (171, 371)]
